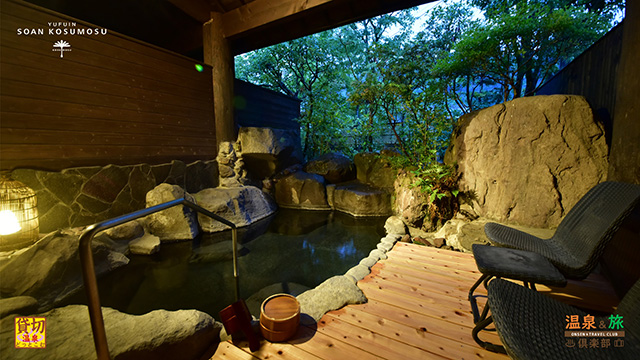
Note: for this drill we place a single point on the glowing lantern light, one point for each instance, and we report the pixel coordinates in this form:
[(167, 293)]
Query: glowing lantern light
[(8, 223), (19, 225)]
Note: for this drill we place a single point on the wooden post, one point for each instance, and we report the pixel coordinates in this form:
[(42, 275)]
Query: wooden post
[(218, 54), (624, 156)]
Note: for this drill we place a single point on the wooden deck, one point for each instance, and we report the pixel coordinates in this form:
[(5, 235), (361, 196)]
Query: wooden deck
[(417, 309)]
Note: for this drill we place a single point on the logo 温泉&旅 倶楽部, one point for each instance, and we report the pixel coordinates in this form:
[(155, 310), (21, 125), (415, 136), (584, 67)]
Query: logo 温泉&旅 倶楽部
[(594, 334)]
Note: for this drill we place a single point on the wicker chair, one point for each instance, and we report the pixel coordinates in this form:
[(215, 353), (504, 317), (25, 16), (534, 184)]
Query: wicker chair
[(583, 234), (532, 326)]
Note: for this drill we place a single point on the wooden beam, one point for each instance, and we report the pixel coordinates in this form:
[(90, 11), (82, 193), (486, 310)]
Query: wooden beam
[(261, 12), (197, 9), (217, 54), (263, 22)]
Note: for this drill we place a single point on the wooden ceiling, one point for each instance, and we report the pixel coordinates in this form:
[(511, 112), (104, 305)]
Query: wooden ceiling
[(248, 24)]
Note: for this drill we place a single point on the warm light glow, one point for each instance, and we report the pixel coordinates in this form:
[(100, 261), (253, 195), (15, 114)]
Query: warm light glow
[(8, 222)]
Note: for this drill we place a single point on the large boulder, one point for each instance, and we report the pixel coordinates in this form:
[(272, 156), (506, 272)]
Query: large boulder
[(529, 160), (374, 169), (266, 151), (361, 200), (240, 205), (334, 167), (415, 206), (411, 204), (176, 223), (302, 190), (127, 231), (160, 334), (50, 270), (332, 294), (395, 226), (18, 305), (462, 233), (146, 244)]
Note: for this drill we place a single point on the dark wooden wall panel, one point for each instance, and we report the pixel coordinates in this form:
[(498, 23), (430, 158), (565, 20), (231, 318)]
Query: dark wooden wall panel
[(110, 100), (593, 75), (259, 107)]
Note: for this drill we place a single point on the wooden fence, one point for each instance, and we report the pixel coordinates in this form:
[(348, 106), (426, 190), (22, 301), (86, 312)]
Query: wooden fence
[(593, 75)]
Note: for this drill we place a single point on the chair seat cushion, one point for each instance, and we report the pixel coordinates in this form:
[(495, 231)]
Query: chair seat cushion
[(517, 264)]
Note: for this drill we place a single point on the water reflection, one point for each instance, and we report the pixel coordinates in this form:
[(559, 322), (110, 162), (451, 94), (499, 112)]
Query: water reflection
[(347, 249), (302, 247)]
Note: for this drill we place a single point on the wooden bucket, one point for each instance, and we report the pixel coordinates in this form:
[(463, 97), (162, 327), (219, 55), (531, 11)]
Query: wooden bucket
[(279, 317)]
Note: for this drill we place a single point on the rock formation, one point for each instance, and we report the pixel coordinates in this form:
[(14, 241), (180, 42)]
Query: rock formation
[(18, 305), (529, 160), (374, 169), (146, 244), (240, 205), (85, 195), (359, 199), (230, 166), (332, 294), (334, 167), (266, 151), (176, 223), (395, 226), (160, 334), (301, 190), (410, 203), (50, 269)]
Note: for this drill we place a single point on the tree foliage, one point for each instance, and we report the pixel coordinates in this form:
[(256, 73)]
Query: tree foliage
[(378, 83), (522, 43)]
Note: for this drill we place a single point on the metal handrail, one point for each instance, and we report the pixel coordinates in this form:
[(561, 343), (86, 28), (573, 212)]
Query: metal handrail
[(89, 274)]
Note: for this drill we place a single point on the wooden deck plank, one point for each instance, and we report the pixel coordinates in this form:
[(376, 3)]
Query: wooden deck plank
[(593, 293), (437, 259), (269, 350), (419, 249), (450, 270), (456, 316), (328, 347), (452, 290), (393, 272), (416, 308), (441, 257), (455, 289), (227, 350), (405, 334), (424, 295), (418, 321), (372, 341)]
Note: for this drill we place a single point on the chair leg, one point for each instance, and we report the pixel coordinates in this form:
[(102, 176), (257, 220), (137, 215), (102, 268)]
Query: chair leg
[(472, 298), (486, 345)]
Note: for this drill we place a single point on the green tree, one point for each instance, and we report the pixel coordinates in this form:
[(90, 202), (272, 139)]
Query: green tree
[(310, 69), (522, 43), (374, 83), (360, 42)]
